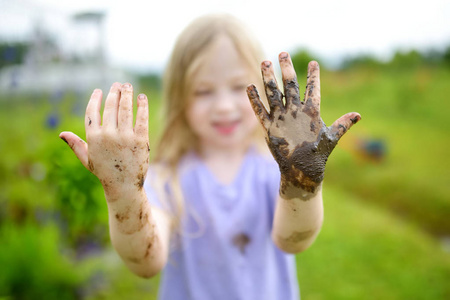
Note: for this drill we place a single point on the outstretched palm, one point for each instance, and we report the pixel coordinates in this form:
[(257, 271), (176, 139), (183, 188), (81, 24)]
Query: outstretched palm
[(297, 137), (116, 152)]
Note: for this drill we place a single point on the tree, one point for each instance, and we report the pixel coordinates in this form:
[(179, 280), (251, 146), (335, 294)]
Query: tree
[(12, 53)]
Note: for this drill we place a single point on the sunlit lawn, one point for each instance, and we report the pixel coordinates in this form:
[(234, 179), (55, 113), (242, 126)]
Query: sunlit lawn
[(383, 220)]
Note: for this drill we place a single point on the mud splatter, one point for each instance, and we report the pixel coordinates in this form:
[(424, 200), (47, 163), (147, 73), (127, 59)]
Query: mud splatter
[(297, 236), (343, 128), (310, 110), (294, 114), (305, 167), (291, 91), (90, 165), (274, 96), (120, 217), (311, 89), (241, 240), (140, 182), (133, 259), (132, 220), (150, 243), (147, 252)]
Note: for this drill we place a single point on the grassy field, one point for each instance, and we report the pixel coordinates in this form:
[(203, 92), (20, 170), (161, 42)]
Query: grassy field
[(407, 111), (385, 218), (365, 252)]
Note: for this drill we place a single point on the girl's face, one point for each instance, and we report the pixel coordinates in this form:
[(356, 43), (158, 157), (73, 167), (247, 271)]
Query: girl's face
[(219, 111)]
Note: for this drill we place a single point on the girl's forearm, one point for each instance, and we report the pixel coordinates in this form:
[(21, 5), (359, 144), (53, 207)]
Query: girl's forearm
[(139, 233), (297, 220)]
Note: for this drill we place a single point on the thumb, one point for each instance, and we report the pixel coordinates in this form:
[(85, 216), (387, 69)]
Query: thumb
[(341, 125), (78, 146)]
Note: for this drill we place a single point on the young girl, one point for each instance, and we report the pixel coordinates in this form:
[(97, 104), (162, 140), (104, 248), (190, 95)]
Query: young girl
[(216, 211)]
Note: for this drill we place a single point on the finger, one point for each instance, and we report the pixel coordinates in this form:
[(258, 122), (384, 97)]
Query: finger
[(274, 95), (312, 93), (78, 146), (291, 90), (341, 125), (92, 118), (125, 115), (141, 128), (258, 106), (111, 106)]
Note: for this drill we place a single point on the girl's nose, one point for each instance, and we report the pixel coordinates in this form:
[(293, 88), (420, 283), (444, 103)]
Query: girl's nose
[(224, 102)]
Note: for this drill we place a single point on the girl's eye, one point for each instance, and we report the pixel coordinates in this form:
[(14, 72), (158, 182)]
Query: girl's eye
[(239, 87), (202, 92)]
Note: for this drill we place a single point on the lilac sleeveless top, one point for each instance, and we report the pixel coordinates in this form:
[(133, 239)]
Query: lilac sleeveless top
[(225, 250)]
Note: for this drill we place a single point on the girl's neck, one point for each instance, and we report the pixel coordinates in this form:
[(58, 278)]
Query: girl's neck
[(224, 163), (208, 152)]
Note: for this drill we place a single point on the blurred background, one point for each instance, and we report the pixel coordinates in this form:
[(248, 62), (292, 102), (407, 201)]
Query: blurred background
[(387, 185)]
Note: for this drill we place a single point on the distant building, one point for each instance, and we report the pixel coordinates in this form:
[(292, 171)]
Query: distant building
[(51, 77), (49, 69)]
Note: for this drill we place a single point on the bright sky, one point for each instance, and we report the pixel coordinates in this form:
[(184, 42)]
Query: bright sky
[(140, 34)]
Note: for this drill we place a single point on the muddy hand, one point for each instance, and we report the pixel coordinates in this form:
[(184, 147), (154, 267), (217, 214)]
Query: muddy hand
[(297, 137), (115, 152)]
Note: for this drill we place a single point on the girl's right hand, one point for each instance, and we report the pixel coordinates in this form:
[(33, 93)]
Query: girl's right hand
[(115, 152)]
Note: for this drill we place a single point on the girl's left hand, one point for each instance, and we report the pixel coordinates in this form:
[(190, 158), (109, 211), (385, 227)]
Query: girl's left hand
[(297, 137)]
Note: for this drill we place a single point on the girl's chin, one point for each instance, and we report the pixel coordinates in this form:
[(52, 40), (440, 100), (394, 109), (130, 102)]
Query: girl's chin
[(227, 142)]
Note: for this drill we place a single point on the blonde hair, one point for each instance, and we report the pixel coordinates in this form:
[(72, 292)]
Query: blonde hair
[(176, 137)]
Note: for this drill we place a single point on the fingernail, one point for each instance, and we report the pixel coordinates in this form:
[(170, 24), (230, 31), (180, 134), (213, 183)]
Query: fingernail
[(141, 96), (284, 55), (266, 64), (116, 85), (64, 140), (313, 64), (355, 119), (126, 85)]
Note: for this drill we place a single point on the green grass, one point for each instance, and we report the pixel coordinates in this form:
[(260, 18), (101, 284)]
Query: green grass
[(364, 252), (408, 111), (380, 238)]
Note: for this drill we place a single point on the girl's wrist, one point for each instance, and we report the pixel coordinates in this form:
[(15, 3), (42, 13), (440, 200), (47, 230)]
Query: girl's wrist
[(131, 214), (122, 191), (304, 189)]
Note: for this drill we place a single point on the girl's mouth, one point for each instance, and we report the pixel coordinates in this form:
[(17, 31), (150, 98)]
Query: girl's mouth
[(226, 127)]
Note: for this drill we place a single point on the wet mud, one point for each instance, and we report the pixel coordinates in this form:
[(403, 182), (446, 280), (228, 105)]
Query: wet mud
[(297, 237), (90, 165), (291, 91), (132, 222), (303, 168), (150, 242), (241, 240), (121, 217), (295, 133), (274, 96)]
